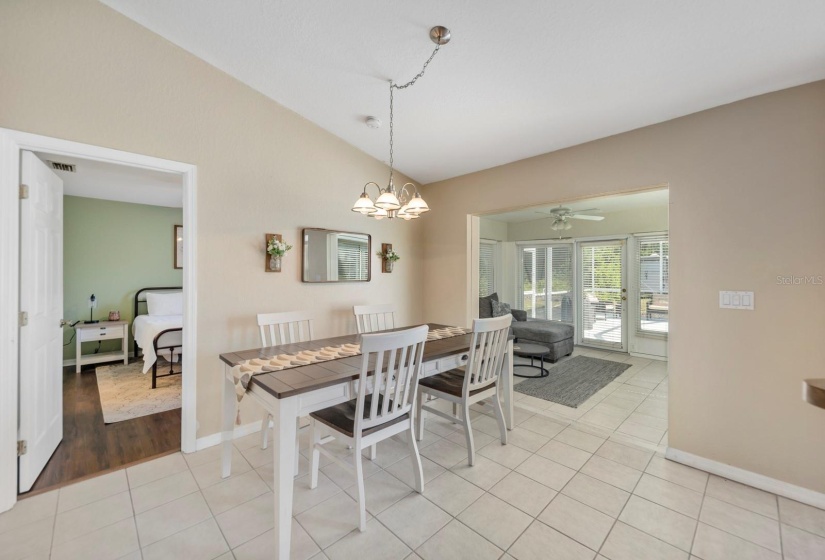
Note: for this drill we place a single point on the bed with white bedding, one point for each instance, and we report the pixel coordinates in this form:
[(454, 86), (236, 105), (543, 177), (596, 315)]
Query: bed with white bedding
[(158, 328)]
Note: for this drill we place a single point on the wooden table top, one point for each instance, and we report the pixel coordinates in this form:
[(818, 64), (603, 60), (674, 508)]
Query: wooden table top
[(301, 379)]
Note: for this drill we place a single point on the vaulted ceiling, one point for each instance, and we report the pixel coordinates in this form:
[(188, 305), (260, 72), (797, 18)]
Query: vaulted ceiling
[(519, 78)]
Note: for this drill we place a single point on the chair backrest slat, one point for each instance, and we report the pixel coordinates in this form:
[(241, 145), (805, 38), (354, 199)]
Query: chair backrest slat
[(487, 352), (395, 359), (285, 328), (372, 318)]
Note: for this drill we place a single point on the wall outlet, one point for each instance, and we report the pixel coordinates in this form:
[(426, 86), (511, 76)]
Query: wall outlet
[(736, 300)]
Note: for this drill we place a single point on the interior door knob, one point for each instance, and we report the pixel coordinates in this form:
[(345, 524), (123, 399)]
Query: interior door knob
[(63, 323)]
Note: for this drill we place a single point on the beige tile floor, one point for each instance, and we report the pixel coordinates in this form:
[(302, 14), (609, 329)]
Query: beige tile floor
[(585, 483)]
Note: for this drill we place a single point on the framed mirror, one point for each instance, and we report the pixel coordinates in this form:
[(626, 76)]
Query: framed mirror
[(335, 256)]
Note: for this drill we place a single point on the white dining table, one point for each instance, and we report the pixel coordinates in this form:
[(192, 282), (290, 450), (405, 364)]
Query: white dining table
[(292, 393)]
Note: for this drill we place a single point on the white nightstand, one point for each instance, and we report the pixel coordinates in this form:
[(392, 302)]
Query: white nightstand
[(104, 330)]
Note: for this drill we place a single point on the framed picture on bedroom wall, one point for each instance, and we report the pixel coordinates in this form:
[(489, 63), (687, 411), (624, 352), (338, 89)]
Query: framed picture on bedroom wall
[(178, 237)]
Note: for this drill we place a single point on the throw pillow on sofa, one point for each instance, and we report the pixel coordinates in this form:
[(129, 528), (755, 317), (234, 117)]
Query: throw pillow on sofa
[(485, 307), (500, 309)]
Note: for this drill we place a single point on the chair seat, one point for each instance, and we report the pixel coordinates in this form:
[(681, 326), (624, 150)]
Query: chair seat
[(450, 382), (341, 417)]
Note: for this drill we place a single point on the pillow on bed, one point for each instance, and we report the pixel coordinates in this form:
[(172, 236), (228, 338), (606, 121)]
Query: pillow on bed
[(164, 304)]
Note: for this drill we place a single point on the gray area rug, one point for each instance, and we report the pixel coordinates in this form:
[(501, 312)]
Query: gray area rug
[(573, 381), (126, 392)]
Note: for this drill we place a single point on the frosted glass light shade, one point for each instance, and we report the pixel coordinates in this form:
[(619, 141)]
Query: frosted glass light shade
[(364, 204), (378, 214), (405, 214), (388, 201), (417, 205)]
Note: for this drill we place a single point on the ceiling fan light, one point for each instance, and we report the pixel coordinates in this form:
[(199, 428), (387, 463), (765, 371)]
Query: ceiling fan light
[(567, 225), (388, 201), (364, 204)]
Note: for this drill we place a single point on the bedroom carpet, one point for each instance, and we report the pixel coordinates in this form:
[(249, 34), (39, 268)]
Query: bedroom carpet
[(126, 393), (573, 381)]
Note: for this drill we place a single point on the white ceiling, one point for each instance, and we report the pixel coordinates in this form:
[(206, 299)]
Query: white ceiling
[(95, 179), (605, 205), (520, 78)]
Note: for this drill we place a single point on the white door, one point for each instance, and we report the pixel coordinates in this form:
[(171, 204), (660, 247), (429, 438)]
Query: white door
[(603, 294), (41, 298)]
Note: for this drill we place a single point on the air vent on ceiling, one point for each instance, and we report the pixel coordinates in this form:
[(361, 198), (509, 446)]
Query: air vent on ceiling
[(68, 167)]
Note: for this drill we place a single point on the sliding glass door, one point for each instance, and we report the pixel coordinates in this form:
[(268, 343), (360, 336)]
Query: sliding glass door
[(603, 294), (546, 281)]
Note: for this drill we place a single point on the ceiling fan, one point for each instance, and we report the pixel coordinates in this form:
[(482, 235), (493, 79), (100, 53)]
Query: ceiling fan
[(561, 214)]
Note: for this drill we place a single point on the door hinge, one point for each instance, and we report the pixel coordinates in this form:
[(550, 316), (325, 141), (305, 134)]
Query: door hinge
[(24, 318), (24, 191), (22, 447)]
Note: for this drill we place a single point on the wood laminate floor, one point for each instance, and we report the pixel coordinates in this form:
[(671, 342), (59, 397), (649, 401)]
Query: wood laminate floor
[(91, 447)]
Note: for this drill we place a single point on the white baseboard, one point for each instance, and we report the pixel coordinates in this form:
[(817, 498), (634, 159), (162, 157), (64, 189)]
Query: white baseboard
[(648, 356), (778, 487), (73, 361), (238, 432)]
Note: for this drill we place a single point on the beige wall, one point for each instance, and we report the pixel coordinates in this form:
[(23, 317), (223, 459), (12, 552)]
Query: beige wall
[(747, 200), (493, 229), (80, 71), (636, 220)]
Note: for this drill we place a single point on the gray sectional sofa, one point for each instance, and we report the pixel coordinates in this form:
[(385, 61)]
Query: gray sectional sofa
[(557, 336)]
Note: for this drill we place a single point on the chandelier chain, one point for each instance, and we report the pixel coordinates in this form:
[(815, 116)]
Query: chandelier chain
[(393, 87)]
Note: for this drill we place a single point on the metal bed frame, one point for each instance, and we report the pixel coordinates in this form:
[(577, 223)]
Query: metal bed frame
[(157, 340)]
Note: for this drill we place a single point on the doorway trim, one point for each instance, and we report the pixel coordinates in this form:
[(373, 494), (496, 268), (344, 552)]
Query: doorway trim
[(12, 142)]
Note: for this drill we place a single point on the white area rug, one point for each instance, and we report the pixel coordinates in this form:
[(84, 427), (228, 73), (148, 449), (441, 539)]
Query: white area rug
[(126, 393)]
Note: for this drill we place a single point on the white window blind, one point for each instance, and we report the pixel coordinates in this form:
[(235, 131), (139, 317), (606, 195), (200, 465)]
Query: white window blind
[(486, 268), (547, 282), (653, 271), (353, 256), (601, 292)]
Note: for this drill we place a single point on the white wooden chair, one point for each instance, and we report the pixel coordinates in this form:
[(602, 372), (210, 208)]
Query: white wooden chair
[(283, 328), (382, 408), (371, 318), (477, 381)]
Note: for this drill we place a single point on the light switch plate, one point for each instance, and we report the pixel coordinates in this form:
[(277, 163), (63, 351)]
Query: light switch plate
[(736, 300)]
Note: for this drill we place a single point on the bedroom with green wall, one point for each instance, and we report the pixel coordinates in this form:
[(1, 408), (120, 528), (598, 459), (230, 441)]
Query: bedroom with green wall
[(112, 249)]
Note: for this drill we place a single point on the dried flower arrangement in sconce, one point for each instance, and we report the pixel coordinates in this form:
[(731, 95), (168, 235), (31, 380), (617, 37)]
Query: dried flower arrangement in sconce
[(388, 257), (275, 250)]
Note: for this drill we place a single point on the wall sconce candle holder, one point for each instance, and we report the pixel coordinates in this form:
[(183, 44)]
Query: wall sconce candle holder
[(388, 257), (275, 251)]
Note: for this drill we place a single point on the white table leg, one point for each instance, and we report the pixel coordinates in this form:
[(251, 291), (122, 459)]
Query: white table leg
[(230, 410), (508, 386), (285, 413)]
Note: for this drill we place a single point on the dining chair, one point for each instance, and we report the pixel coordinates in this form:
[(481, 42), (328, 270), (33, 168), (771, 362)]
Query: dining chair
[(371, 318), (283, 328), (381, 410), (476, 381)]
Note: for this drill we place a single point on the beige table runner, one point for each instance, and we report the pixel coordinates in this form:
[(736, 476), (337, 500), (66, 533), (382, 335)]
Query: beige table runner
[(243, 371)]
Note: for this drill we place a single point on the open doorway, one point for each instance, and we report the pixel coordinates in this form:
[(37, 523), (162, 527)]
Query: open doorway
[(587, 283), (121, 242), (31, 421)]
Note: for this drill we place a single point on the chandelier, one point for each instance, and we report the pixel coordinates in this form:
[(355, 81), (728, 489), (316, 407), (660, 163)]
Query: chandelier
[(403, 203)]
